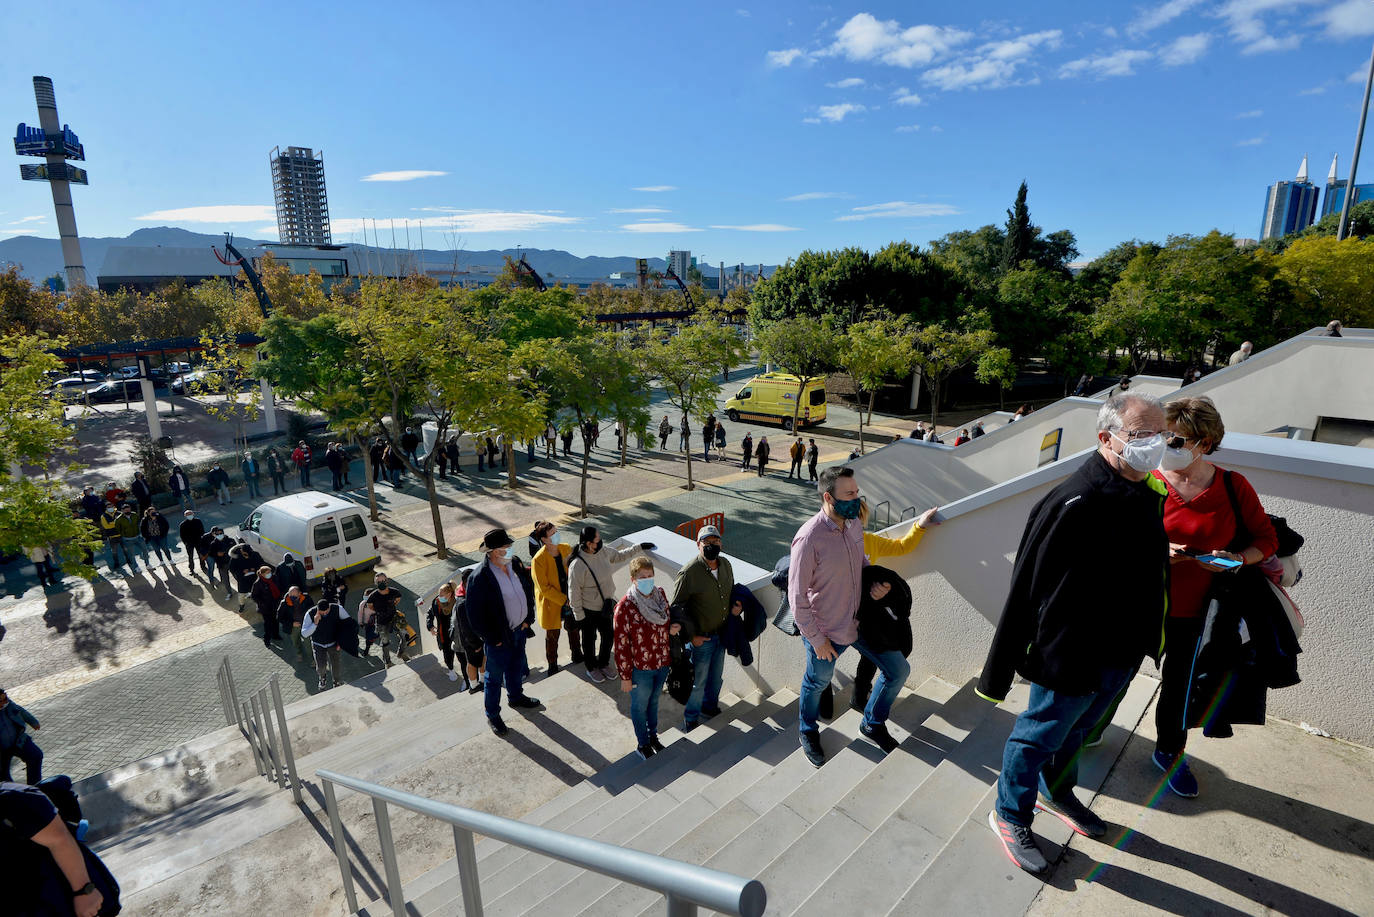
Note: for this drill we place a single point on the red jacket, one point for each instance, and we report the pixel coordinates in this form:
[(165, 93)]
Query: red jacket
[(638, 643), (301, 457), (1208, 524)]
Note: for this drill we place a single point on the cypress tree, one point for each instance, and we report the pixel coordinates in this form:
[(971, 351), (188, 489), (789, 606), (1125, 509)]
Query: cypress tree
[(1017, 244)]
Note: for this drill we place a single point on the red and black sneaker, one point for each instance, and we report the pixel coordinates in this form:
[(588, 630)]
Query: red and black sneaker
[(1019, 844)]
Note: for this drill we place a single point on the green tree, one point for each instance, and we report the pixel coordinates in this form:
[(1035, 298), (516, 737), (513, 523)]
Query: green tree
[(1329, 279), (227, 385), (909, 283), (816, 284), (1016, 247), (939, 352), (35, 509), (803, 347), (685, 366), (26, 307), (871, 352), (974, 254)]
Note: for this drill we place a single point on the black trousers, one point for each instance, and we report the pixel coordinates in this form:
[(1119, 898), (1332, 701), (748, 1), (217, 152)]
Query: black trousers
[(795, 469), (270, 631), (596, 623), (1180, 638)]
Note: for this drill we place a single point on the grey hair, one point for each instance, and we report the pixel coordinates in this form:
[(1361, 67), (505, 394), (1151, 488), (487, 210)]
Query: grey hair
[(1109, 417)]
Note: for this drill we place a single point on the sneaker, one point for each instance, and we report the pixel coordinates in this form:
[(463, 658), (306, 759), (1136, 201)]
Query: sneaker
[(689, 726), (880, 736), (611, 673), (497, 726), (1019, 845), (1093, 741), (1071, 811), (524, 702), (655, 744), (553, 669), (708, 712), (477, 688), (811, 747), (1181, 779), (596, 676), (452, 675), (645, 752)]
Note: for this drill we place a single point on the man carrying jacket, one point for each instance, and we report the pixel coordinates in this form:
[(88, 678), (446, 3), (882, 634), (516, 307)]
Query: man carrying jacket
[(701, 602), (1079, 619), (500, 609)]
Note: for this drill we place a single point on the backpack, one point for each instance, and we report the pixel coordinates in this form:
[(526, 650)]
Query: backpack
[(782, 618), (1290, 542)]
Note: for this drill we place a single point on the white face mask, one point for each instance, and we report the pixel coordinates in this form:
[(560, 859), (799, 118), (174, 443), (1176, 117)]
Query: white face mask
[(553, 538), (1176, 459), (1142, 454)]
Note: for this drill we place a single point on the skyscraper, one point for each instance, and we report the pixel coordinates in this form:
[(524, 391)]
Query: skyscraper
[(679, 263), (1335, 192), (302, 205), (1290, 206)]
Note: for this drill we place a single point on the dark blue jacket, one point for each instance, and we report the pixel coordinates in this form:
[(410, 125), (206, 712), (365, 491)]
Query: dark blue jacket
[(486, 610), (742, 629)]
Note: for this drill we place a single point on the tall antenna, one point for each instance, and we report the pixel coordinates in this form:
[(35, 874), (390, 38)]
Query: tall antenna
[(56, 143)]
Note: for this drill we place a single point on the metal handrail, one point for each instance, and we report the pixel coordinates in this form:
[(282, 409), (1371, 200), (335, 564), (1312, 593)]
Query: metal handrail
[(909, 509), (271, 747), (686, 886), (873, 516)]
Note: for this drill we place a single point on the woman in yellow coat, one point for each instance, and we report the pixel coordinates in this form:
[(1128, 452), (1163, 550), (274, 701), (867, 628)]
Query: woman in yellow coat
[(550, 566)]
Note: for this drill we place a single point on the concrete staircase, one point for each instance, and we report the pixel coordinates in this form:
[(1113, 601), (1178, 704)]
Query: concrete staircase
[(904, 833)]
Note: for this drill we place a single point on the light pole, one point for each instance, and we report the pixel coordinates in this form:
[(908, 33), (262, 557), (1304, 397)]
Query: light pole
[(1355, 160)]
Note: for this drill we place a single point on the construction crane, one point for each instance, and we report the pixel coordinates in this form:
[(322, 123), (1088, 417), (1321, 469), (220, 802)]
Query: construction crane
[(681, 286), (254, 280), (524, 267)]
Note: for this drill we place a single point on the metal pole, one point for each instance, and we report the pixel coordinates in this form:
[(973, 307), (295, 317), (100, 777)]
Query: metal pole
[(250, 732), (272, 738), (229, 719), (680, 907), (336, 834), (467, 872), (233, 690), (269, 753), (1355, 160), (286, 742), (394, 896)]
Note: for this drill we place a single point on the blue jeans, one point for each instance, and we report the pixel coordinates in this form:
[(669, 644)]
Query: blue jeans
[(1042, 750), (709, 662), (893, 670), (118, 553), (159, 546), (505, 665), (305, 475), (136, 543), (648, 685), (252, 481)]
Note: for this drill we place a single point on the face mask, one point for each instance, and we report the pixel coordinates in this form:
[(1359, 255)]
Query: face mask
[(1176, 459), (1142, 454), (710, 551), (553, 539), (444, 600), (848, 509), (645, 586)]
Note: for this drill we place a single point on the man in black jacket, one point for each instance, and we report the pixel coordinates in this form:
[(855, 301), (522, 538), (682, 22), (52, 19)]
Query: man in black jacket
[(500, 609), (1081, 614), (192, 530), (216, 547)]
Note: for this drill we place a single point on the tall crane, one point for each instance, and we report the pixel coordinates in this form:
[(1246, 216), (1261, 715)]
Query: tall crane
[(254, 280), (524, 267)]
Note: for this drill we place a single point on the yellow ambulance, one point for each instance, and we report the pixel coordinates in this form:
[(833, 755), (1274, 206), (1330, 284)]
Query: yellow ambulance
[(771, 397)]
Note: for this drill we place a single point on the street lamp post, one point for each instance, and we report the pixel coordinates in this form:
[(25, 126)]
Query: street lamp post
[(1355, 160)]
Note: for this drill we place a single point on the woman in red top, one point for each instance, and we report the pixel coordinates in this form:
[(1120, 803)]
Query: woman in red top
[(1199, 520), (641, 631)]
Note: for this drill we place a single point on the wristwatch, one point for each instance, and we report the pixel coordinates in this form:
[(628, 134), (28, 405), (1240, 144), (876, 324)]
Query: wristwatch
[(84, 890)]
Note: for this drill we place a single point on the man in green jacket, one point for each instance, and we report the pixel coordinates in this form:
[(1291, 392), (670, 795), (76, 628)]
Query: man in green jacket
[(127, 523), (701, 601)]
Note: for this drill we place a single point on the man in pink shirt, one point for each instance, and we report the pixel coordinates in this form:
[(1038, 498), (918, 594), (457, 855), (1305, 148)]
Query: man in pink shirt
[(823, 587)]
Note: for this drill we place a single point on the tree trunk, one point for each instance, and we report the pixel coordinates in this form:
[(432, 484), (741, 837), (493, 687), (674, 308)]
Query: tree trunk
[(510, 464), (624, 441), (934, 401), (434, 513), (861, 424), (690, 485), (586, 458), (796, 407), (371, 484)]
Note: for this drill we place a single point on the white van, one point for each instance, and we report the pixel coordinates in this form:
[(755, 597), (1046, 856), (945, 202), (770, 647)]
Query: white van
[(320, 530)]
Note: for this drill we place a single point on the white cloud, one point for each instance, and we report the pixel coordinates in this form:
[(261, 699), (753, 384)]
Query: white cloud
[(811, 120), (852, 82), (992, 65), (469, 221), (866, 38), (1349, 19), (1119, 63), (655, 188), (213, 213), (937, 129), (1314, 91), (1360, 75), (834, 113), (904, 96), (403, 175), (761, 227), (1253, 113), (658, 226), (1185, 49), (784, 58), (743, 12), (905, 209), (23, 220), (908, 128), (1245, 20), (816, 195), (1251, 141), (1151, 19), (1267, 43), (638, 210)]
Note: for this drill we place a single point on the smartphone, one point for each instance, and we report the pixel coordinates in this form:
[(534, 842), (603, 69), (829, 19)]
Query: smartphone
[(1216, 563)]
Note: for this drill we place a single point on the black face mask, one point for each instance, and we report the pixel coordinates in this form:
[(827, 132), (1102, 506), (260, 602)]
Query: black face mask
[(710, 551)]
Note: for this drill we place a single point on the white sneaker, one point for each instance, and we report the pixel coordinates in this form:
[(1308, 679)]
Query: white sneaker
[(596, 676), (452, 675)]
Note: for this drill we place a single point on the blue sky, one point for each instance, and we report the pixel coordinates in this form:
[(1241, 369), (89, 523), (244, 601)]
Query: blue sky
[(742, 131)]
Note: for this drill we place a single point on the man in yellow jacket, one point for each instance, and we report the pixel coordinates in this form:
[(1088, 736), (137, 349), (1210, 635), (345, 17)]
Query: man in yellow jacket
[(550, 570)]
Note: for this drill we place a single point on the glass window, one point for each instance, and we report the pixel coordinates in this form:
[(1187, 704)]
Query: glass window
[(353, 527), (818, 396), (326, 535), (745, 394), (253, 522)]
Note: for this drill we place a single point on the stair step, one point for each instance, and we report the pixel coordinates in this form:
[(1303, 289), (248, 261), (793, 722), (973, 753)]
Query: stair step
[(592, 804)]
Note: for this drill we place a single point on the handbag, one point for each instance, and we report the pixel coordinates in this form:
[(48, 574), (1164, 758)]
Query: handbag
[(782, 618), (607, 605)]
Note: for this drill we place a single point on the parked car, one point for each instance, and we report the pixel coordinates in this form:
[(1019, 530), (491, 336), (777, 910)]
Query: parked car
[(118, 390), (125, 372), (321, 530), (73, 388), (187, 383)]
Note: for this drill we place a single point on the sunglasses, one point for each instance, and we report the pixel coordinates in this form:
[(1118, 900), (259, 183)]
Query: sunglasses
[(1174, 441)]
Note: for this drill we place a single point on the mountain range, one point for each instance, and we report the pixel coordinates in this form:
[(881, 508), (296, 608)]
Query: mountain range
[(40, 258)]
